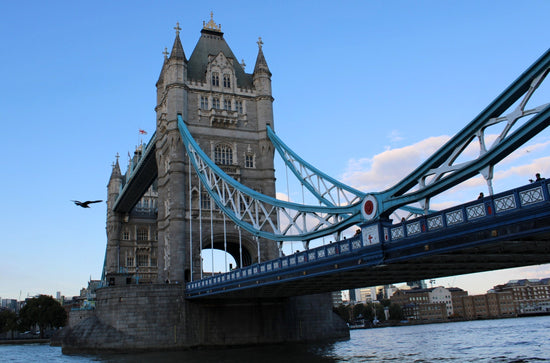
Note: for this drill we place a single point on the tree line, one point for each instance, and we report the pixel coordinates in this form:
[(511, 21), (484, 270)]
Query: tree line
[(42, 311), (369, 312)]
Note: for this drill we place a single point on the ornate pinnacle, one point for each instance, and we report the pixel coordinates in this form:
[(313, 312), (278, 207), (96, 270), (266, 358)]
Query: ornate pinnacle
[(211, 25)]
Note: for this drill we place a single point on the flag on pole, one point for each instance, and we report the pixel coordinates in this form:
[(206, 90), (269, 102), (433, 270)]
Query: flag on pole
[(142, 132)]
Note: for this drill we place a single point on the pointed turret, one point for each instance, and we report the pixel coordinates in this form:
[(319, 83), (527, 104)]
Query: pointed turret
[(262, 84), (177, 49), (160, 81), (112, 264), (115, 184), (173, 75), (261, 64)]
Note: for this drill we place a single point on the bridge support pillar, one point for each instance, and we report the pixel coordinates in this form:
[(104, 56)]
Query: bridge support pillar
[(157, 317)]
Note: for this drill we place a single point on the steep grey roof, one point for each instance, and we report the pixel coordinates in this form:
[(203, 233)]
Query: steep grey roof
[(211, 42), (115, 173), (261, 64), (177, 49)]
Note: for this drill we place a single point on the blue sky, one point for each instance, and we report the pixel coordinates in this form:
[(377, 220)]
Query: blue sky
[(356, 83)]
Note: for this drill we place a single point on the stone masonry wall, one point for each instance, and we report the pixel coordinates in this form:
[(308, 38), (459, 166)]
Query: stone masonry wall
[(157, 317)]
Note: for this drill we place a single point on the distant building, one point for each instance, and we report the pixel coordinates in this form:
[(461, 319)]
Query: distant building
[(442, 295), (433, 304), (10, 304), (88, 295), (529, 296), (368, 294), (336, 298), (418, 284)]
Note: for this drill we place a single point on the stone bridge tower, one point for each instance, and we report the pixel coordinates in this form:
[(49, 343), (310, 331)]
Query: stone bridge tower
[(227, 111), (154, 225)]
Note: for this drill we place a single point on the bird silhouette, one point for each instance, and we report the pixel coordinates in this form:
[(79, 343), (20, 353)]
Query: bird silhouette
[(86, 203)]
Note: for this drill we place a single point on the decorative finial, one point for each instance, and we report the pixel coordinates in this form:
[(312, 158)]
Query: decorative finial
[(165, 52), (243, 64), (259, 42), (117, 156), (211, 25), (177, 27)]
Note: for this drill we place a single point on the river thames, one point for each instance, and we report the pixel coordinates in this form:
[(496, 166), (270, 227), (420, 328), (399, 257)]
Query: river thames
[(505, 340)]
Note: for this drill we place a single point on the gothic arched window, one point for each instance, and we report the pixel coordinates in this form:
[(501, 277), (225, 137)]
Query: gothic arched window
[(223, 155)]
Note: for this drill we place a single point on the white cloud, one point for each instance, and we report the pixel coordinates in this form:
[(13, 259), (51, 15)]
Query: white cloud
[(526, 151), (540, 165), (390, 166), (282, 196), (395, 136)]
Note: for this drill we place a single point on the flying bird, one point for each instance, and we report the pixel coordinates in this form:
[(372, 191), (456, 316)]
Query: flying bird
[(86, 204)]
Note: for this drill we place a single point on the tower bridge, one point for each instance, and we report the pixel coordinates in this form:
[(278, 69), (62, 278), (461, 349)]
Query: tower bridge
[(207, 178)]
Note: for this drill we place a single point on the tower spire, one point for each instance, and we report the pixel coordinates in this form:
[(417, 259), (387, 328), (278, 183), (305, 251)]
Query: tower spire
[(261, 64), (177, 49)]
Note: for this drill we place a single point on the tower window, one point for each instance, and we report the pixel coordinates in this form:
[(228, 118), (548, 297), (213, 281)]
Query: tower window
[(205, 200), (227, 105), (142, 234), (216, 103), (143, 260), (223, 155), (226, 80), (249, 161), (129, 261), (125, 235), (215, 79), (239, 106), (204, 103)]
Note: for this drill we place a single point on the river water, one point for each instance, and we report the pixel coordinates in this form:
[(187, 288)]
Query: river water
[(506, 340)]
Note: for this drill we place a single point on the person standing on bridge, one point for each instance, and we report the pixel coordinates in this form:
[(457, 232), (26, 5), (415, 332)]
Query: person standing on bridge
[(537, 178)]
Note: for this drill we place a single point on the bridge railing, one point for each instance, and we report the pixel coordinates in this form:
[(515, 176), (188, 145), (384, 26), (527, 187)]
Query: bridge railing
[(292, 262), (472, 212)]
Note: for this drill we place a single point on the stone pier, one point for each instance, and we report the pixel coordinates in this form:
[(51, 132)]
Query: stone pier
[(157, 317)]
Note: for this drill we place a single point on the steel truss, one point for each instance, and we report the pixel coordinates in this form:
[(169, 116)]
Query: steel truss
[(262, 215)]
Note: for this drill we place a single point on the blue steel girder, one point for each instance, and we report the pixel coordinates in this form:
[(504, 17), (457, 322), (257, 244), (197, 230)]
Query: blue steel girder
[(326, 189), (262, 215), (439, 173)]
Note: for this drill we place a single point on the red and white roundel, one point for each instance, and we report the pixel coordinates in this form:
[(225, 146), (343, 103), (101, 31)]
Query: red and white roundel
[(369, 207)]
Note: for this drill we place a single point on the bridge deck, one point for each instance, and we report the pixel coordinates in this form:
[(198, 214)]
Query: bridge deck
[(509, 229)]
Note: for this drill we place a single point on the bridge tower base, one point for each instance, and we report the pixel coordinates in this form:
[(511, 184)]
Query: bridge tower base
[(157, 317)]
